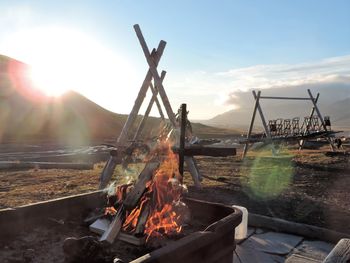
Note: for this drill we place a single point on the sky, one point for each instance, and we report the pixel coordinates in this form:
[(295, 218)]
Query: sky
[(214, 48)]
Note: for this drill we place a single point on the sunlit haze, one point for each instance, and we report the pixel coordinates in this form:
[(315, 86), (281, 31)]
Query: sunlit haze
[(214, 51)]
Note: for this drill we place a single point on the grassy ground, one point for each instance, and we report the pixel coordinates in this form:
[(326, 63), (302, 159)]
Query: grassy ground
[(306, 186)]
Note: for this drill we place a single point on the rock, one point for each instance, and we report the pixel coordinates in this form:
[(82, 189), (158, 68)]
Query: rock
[(84, 249), (28, 255), (274, 243), (117, 260)]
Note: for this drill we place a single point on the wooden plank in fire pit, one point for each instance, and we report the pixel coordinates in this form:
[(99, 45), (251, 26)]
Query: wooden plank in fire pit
[(130, 202)]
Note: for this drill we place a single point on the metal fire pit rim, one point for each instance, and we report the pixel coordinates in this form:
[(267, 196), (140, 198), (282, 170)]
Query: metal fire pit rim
[(215, 244)]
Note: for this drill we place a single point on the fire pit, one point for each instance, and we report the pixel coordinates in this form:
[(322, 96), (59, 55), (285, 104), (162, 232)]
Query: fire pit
[(215, 243)]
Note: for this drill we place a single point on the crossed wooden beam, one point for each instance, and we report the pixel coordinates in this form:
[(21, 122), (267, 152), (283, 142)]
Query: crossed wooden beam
[(157, 88), (257, 107)]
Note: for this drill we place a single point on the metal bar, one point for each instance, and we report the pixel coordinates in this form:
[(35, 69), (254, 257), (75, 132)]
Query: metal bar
[(251, 125), (283, 98)]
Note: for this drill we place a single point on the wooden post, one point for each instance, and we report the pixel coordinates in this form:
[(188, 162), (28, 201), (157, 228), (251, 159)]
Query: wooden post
[(301, 144), (317, 110), (157, 79), (251, 125), (321, 118), (267, 131), (149, 108), (155, 91), (142, 93), (109, 168), (182, 138)]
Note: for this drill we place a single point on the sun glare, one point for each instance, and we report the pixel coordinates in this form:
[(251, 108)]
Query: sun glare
[(62, 59)]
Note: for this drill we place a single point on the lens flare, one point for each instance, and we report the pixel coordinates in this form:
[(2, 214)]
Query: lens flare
[(269, 176)]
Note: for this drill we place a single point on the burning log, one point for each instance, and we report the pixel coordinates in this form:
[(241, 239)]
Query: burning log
[(140, 228), (130, 202), (151, 208)]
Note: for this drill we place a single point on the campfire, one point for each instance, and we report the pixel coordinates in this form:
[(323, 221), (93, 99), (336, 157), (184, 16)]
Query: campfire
[(152, 207)]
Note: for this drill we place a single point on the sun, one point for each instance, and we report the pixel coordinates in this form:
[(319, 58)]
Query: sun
[(63, 59)]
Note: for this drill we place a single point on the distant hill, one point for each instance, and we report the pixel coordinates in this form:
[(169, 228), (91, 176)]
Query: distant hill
[(334, 101), (26, 114)]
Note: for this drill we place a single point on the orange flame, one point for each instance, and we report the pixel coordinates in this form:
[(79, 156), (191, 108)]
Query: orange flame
[(162, 192)]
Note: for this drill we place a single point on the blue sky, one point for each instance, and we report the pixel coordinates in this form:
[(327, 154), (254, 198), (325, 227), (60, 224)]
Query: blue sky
[(214, 47)]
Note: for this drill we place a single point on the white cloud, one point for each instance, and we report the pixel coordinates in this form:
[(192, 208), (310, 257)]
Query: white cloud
[(288, 75), (224, 87)]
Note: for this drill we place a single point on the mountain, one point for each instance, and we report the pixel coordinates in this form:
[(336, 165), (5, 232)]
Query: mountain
[(334, 101), (26, 114)]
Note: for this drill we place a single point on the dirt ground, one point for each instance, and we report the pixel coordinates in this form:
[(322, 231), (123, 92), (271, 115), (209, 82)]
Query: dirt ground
[(307, 187)]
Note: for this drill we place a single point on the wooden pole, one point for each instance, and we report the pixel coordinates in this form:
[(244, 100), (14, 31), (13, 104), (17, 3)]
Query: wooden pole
[(251, 125), (155, 91), (321, 118), (283, 98), (148, 110), (109, 168), (317, 110), (142, 93), (340, 253), (267, 131), (301, 144), (156, 77), (182, 138)]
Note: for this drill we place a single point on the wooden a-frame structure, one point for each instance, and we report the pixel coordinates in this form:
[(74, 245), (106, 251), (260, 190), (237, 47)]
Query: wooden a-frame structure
[(269, 138), (157, 88)]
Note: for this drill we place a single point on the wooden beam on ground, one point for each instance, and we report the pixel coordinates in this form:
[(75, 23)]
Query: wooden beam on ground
[(131, 239), (206, 150), (340, 253), (10, 165), (288, 227)]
